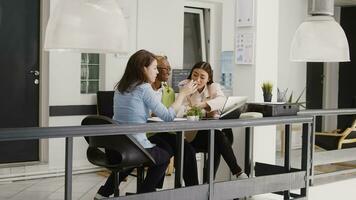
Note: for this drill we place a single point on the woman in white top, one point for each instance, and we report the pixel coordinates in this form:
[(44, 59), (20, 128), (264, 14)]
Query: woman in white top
[(211, 99)]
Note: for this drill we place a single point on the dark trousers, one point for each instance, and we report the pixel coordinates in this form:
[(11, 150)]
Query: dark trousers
[(222, 147), (154, 173), (190, 169)]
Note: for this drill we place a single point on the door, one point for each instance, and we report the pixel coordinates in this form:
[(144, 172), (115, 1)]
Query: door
[(19, 62), (347, 70), (314, 90)]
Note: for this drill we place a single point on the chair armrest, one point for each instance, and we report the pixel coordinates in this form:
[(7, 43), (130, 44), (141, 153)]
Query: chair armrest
[(336, 131), (328, 134)]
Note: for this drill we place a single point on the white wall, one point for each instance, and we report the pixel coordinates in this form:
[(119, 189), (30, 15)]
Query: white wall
[(248, 78), (157, 25), (160, 28), (150, 27), (291, 75)]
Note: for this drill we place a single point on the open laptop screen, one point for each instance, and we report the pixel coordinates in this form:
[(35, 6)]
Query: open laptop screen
[(232, 104)]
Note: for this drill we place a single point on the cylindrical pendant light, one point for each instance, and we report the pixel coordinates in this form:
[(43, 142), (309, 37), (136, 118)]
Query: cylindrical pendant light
[(320, 38), (90, 26)]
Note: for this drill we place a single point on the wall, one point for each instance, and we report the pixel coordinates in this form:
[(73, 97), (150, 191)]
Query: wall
[(150, 27), (248, 78), (291, 75), (161, 31)]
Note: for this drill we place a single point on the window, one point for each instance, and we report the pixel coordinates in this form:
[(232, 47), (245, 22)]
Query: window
[(194, 37), (89, 78), (226, 68)]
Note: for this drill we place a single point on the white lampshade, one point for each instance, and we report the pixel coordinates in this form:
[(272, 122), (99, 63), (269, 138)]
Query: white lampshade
[(320, 39), (90, 26)]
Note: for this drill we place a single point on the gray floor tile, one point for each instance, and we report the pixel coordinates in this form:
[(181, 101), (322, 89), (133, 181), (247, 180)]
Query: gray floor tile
[(29, 195)]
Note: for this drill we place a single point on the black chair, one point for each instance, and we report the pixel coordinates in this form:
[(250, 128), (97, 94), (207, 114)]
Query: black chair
[(105, 103), (130, 152)]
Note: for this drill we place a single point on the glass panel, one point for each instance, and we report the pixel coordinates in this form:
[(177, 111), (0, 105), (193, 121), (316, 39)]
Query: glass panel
[(93, 71), (93, 86), (93, 58), (84, 59), (89, 72), (226, 68), (83, 87), (192, 40), (83, 72)]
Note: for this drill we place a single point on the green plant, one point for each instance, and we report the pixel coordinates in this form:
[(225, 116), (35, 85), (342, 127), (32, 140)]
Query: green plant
[(267, 87), (301, 104), (195, 111)]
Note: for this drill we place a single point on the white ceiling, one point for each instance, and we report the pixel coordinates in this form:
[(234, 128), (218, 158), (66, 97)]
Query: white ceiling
[(345, 2)]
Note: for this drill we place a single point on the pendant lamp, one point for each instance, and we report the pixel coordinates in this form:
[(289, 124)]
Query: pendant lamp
[(320, 38), (90, 26)]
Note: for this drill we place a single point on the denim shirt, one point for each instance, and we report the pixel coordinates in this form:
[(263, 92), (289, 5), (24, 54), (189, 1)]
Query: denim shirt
[(134, 107)]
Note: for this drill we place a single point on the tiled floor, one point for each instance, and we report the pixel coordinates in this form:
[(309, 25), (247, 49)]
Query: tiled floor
[(85, 187)]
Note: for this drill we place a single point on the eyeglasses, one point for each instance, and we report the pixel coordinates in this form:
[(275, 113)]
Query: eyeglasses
[(165, 68)]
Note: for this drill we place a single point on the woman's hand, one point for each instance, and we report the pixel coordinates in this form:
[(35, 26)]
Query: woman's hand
[(188, 88), (203, 105)]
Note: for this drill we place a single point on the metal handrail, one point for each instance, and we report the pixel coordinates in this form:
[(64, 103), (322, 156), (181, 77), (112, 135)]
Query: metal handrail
[(27, 133), (325, 112), (205, 191), (317, 159)]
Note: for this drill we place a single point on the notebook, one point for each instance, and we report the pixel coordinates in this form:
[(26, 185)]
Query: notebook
[(231, 108)]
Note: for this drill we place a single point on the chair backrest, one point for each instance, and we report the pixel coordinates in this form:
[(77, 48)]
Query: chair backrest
[(131, 152), (105, 103), (352, 131)]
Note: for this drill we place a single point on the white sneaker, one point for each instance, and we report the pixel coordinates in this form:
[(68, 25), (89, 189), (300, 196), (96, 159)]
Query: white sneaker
[(242, 176), (99, 196)]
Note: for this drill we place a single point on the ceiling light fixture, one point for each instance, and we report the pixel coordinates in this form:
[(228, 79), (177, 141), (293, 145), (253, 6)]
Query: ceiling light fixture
[(90, 26), (320, 38)]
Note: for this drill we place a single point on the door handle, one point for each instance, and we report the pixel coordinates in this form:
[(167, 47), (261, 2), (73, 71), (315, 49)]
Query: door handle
[(35, 72)]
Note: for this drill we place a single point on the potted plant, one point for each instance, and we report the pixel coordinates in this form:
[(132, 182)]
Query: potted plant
[(194, 113), (267, 91)]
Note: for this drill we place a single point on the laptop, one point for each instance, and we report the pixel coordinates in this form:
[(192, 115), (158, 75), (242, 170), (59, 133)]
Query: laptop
[(232, 107)]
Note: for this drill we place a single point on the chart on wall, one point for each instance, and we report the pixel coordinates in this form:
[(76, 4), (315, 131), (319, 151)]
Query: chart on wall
[(244, 47)]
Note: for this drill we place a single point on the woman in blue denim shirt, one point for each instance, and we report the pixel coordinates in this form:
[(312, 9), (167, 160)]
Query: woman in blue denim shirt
[(133, 100)]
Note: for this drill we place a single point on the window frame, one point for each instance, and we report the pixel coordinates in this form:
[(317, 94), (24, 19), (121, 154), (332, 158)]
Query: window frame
[(203, 42)]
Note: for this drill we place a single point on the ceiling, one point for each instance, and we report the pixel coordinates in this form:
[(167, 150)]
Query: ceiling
[(345, 2)]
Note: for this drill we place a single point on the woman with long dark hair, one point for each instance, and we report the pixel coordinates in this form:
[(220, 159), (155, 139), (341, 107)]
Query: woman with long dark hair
[(211, 99), (134, 98)]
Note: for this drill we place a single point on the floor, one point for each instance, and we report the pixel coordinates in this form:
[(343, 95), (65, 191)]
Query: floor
[(85, 186)]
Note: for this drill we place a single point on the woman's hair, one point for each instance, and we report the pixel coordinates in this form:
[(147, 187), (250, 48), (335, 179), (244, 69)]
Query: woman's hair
[(204, 66), (160, 60), (134, 72)]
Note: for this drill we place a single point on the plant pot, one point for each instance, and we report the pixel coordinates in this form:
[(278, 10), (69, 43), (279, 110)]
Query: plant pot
[(193, 118), (267, 97)]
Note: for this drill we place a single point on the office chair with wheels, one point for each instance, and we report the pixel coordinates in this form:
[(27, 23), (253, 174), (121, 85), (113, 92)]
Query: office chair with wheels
[(131, 153)]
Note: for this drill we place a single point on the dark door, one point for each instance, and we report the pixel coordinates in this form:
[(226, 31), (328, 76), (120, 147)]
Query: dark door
[(314, 91), (19, 62), (347, 70)]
